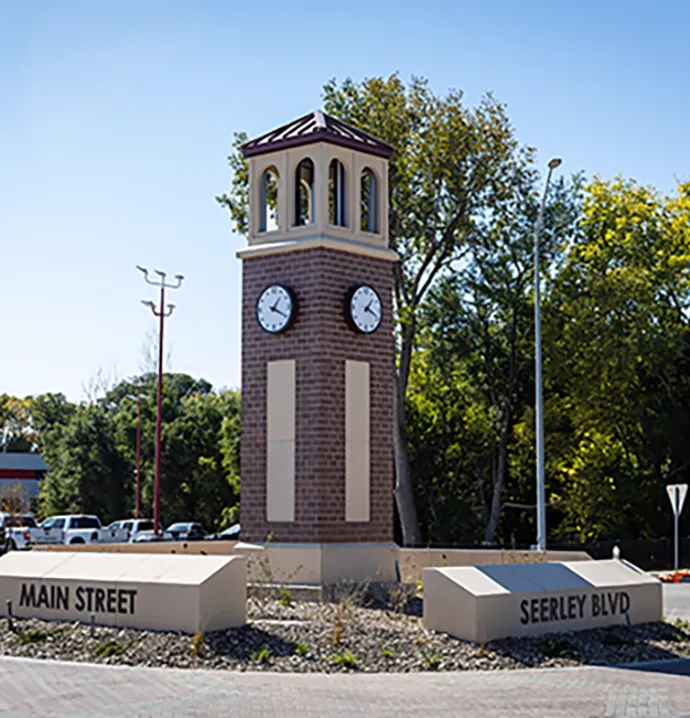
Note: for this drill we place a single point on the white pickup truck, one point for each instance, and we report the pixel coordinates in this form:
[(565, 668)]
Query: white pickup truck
[(132, 527), (76, 529), (15, 531)]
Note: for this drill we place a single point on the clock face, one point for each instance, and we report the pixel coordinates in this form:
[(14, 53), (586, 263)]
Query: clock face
[(276, 308), (363, 309)]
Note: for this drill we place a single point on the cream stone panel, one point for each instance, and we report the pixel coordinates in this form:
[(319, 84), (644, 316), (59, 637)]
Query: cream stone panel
[(224, 599), (280, 488), (294, 157), (286, 563), (364, 249), (321, 153), (318, 564), (347, 159), (489, 602), (257, 166), (280, 440), (181, 593), (358, 562), (357, 441), (380, 169), (280, 399)]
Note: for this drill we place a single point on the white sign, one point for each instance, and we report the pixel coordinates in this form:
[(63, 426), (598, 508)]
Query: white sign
[(482, 603), (152, 591), (676, 493)]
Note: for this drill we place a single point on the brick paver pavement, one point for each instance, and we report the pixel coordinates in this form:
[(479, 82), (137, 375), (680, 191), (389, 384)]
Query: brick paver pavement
[(28, 687)]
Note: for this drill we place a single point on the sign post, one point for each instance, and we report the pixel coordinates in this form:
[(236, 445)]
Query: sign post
[(676, 494)]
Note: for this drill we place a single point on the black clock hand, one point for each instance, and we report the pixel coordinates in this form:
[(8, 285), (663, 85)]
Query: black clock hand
[(370, 310), (277, 311)]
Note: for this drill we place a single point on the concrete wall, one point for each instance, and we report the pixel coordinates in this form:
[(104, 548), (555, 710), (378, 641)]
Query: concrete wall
[(156, 592), (185, 548), (413, 561), (488, 602)]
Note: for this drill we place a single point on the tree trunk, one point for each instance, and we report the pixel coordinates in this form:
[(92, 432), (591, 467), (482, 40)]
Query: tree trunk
[(404, 495), (497, 480)]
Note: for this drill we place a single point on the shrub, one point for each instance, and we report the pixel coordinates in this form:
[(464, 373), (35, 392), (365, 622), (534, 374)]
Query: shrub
[(106, 649), (263, 656), (345, 660), (197, 644)]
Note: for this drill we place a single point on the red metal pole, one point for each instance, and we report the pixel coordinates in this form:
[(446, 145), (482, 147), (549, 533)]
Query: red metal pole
[(138, 501), (159, 419)]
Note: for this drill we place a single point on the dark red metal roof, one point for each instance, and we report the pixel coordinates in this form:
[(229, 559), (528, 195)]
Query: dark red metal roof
[(316, 127)]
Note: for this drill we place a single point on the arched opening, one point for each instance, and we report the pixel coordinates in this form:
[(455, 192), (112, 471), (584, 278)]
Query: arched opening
[(304, 192), (368, 201), (336, 193), (268, 202)]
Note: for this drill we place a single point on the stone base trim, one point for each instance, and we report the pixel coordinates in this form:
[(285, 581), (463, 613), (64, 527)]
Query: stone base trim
[(319, 564)]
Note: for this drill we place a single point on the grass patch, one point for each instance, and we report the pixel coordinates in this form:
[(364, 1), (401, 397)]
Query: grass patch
[(345, 660), (263, 656), (37, 636), (431, 660), (107, 649), (386, 653), (301, 649)]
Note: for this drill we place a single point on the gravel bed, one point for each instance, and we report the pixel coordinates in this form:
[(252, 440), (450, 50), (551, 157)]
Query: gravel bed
[(338, 637)]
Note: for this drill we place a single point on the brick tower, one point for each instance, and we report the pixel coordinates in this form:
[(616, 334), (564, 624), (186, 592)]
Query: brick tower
[(317, 353)]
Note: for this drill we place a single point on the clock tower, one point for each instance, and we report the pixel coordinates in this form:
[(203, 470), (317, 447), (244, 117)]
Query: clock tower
[(317, 354)]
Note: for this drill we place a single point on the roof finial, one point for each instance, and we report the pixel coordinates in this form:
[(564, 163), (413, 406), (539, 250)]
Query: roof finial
[(320, 119)]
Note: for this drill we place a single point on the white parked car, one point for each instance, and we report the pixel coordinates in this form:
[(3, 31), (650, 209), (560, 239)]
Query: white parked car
[(133, 527), (76, 529), (15, 531)]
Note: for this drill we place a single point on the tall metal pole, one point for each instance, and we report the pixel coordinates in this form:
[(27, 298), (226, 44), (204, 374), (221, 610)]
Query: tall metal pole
[(159, 416), (676, 515), (162, 314), (138, 497), (541, 500)]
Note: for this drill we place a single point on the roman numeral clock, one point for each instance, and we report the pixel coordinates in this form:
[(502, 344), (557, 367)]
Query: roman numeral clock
[(317, 354)]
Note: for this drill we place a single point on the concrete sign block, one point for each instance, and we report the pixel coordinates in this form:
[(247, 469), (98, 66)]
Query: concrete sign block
[(151, 591), (482, 603)]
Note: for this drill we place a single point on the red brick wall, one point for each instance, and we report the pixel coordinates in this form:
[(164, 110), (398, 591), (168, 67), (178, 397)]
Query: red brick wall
[(320, 341)]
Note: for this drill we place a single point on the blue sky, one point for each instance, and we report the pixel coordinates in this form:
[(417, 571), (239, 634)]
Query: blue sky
[(116, 120)]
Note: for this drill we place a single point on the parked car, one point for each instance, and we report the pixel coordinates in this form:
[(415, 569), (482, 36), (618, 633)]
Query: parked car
[(232, 533), (186, 532), (133, 527), (15, 532), (76, 529)]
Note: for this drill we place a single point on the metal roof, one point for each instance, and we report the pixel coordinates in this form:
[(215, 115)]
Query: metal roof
[(317, 126), (22, 462)]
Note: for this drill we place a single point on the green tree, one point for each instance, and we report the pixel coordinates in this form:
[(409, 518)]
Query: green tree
[(618, 353), (91, 449), (481, 318)]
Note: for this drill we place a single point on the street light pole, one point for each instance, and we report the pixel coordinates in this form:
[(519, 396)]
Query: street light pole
[(162, 313), (541, 502)]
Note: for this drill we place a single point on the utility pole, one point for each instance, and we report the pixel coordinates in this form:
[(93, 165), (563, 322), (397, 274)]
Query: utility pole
[(162, 313)]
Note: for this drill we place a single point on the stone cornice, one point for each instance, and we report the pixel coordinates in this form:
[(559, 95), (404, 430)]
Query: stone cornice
[(324, 242)]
